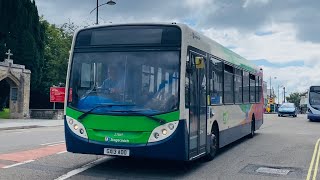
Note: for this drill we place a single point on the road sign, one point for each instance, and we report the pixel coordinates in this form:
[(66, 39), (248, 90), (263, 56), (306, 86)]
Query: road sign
[(57, 94)]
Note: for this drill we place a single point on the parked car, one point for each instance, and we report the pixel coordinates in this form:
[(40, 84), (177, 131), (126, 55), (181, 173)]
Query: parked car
[(287, 109)]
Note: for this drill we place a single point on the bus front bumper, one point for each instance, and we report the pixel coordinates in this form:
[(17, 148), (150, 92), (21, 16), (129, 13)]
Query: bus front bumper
[(172, 148), (314, 117)]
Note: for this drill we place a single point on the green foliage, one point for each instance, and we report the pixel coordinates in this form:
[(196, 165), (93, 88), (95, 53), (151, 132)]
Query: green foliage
[(5, 114), (57, 46), (21, 32), (294, 98), (42, 47)]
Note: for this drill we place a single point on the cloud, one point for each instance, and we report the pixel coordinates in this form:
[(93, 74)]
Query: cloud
[(266, 63), (285, 33)]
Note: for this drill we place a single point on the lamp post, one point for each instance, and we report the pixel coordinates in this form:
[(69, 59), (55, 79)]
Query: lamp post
[(271, 86), (279, 92), (110, 2)]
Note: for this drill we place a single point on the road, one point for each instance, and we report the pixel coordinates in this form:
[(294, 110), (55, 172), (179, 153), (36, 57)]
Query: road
[(285, 145)]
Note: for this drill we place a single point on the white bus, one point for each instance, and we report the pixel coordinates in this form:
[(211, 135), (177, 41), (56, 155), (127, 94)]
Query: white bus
[(158, 91), (314, 103)]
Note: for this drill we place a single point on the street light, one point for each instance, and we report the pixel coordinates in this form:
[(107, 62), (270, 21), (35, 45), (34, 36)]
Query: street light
[(271, 87), (110, 2), (279, 92)]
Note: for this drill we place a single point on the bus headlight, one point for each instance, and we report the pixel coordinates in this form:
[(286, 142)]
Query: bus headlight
[(164, 131), (76, 127)]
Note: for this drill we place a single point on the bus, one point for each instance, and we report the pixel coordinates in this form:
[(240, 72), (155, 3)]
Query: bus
[(159, 91), (314, 103)]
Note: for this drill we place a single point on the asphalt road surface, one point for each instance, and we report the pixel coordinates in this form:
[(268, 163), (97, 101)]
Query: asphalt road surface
[(282, 149)]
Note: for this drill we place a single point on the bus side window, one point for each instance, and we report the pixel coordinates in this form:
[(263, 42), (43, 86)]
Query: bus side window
[(228, 84), (238, 86), (252, 88), (257, 89), (216, 81), (187, 83), (245, 87)]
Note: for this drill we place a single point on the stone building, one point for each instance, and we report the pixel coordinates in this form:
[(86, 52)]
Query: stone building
[(19, 80)]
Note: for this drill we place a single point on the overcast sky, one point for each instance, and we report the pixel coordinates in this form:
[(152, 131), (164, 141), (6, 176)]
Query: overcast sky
[(281, 36)]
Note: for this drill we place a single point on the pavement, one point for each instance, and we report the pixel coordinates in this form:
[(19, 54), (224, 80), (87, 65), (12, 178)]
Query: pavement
[(11, 124)]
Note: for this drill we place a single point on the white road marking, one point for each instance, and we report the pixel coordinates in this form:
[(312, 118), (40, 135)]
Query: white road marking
[(55, 144), (52, 143), (17, 164), (83, 168), (62, 152)]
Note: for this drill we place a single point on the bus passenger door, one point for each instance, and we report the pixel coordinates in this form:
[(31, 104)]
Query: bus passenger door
[(198, 105)]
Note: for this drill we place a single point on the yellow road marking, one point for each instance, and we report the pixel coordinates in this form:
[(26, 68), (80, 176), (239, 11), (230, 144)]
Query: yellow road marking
[(315, 153), (315, 171)]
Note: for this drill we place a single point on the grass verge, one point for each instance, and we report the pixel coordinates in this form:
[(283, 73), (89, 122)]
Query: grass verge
[(5, 114)]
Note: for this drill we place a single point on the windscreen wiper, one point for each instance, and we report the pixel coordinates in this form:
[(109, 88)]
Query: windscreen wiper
[(159, 120), (102, 105)]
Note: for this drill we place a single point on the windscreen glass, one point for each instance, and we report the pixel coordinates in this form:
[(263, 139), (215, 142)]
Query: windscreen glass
[(146, 82), (314, 98)]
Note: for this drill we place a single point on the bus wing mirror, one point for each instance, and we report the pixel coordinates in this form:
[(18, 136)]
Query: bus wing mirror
[(199, 62)]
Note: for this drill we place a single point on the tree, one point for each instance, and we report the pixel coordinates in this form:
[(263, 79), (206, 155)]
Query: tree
[(294, 98), (57, 44), (20, 31)]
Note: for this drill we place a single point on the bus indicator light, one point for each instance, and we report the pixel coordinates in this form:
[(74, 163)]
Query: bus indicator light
[(76, 127), (156, 135), (171, 126)]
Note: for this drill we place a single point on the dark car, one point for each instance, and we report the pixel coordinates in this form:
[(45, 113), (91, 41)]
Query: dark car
[(287, 109)]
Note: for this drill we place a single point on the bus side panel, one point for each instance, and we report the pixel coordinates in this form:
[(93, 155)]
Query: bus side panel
[(235, 121), (258, 112), (232, 122)]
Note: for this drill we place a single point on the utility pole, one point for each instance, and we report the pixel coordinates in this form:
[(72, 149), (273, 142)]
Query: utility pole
[(278, 94), (97, 15), (284, 94), (270, 88)]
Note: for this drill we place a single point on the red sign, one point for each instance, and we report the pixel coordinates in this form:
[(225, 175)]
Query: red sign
[(57, 94)]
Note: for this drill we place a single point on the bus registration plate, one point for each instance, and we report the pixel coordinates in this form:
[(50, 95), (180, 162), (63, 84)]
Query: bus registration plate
[(117, 152)]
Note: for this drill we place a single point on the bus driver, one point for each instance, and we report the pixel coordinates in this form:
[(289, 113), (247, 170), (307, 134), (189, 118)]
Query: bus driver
[(114, 82)]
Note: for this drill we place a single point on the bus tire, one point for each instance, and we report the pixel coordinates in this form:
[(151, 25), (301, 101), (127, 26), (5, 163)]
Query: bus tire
[(253, 128), (214, 145)]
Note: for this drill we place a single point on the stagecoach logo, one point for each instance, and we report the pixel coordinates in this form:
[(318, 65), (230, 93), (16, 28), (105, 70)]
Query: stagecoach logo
[(107, 139)]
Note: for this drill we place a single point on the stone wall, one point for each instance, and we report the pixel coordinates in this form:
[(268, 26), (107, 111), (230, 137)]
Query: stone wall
[(46, 113)]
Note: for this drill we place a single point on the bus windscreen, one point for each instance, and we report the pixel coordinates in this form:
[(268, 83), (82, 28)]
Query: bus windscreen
[(314, 98)]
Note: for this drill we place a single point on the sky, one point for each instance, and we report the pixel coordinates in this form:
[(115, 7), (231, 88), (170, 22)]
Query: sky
[(281, 36)]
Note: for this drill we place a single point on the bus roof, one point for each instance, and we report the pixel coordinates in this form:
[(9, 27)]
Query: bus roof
[(220, 51)]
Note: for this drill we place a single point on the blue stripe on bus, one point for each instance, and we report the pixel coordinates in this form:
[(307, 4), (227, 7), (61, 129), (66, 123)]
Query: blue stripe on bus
[(174, 147)]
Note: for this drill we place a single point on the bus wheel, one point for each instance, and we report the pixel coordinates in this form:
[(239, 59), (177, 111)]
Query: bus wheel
[(253, 122), (214, 146)]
